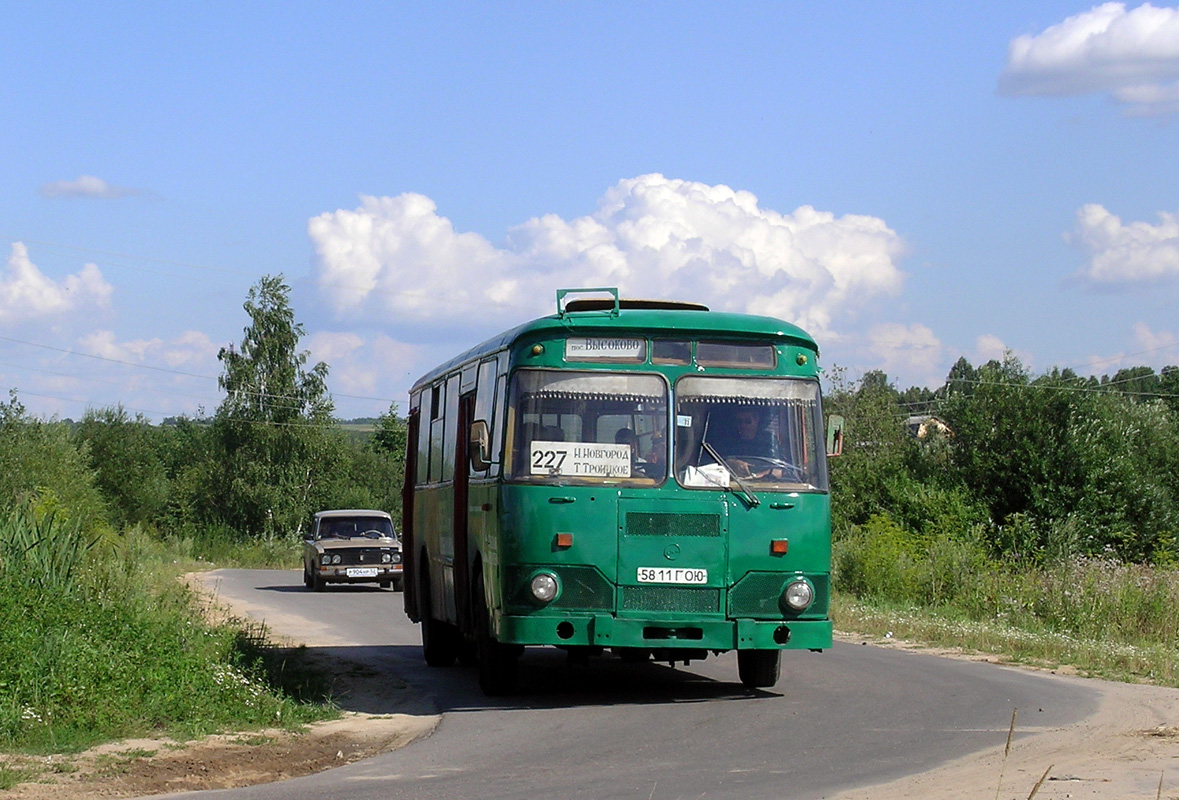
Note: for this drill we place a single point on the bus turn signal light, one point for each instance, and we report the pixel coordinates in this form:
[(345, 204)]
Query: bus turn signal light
[(778, 547), (564, 540)]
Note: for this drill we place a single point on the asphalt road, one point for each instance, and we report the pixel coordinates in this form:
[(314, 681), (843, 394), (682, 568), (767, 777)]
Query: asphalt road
[(851, 716)]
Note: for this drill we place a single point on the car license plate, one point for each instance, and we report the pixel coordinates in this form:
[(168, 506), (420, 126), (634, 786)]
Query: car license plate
[(361, 572), (669, 575)]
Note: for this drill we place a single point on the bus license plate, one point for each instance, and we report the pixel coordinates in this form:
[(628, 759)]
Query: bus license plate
[(362, 572), (668, 575)]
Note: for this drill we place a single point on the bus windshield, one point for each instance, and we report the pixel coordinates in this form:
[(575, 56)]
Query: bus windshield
[(757, 432), (588, 427)]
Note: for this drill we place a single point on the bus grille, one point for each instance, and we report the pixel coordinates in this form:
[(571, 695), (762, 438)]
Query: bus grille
[(692, 600), (757, 595), (656, 524)]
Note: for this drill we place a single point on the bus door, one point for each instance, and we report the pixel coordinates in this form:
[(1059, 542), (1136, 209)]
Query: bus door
[(462, 473), (672, 554), (409, 542)]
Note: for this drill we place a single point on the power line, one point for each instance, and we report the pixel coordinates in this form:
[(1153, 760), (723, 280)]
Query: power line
[(173, 371)]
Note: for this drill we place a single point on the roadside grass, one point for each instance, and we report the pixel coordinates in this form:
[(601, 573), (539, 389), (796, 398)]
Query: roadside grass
[(1099, 616), (225, 548), (112, 645)]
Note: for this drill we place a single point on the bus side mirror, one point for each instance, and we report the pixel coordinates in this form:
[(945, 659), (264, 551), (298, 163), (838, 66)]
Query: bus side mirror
[(480, 446), (835, 435)]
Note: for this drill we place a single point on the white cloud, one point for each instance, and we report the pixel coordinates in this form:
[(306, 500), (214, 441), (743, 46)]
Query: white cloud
[(1133, 55), (989, 347), (363, 368), (1121, 254), (1154, 340), (192, 349), (331, 347), (910, 350), (86, 186), (395, 257), (26, 293)]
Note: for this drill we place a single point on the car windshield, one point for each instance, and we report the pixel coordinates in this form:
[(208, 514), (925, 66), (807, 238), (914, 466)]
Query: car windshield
[(354, 527), (757, 432), (588, 427)]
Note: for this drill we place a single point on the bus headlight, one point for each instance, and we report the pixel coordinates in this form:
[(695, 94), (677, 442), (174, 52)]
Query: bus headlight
[(798, 595), (544, 587)]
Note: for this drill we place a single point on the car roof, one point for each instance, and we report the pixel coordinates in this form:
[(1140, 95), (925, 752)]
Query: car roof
[(353, 512)]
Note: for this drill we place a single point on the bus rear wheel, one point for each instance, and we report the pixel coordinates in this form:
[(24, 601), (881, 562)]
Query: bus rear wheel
[(497, 662), (759, 669), (440, 640)]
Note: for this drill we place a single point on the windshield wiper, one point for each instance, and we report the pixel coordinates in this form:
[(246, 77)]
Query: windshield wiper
[(750, 496)]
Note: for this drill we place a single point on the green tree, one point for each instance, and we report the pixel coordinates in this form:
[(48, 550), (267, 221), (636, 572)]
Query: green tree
[(127, 456), (1013, 448), (272, 432), (42, 464)]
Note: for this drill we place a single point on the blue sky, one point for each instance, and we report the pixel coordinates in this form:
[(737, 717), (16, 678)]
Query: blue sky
[(911, 182)]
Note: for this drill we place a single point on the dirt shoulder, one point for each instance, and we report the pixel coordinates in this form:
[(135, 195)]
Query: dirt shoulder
[(1128, 750)]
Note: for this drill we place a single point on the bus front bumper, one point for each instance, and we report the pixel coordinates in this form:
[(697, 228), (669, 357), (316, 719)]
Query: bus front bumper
[(605, 630)]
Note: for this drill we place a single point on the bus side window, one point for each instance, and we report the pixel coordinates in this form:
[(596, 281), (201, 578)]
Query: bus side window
[(437, 420), (486, 409), (451, 426), (423, 442)]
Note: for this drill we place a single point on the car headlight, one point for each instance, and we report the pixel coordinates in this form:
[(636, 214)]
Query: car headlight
[(397, 558), (386, 557), (798, 595), (544, 586), (335, 559)]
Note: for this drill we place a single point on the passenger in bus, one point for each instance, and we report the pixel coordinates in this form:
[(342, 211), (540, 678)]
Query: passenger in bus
[(658, 454), (628, 437)]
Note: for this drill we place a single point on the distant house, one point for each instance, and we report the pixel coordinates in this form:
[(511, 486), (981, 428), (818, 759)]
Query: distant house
[(922, 425)]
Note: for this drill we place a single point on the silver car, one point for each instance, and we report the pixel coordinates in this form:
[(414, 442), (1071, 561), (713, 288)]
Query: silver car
[(352, 546)]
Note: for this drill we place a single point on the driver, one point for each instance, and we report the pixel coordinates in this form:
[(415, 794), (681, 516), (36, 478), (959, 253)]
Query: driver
[(749, 438), (746, 437)]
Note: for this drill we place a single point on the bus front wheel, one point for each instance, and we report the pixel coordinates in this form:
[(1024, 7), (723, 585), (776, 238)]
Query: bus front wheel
[(759, 669), (497, 662)]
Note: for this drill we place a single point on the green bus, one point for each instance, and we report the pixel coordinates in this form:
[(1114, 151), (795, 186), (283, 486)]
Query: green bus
[(647, 478)]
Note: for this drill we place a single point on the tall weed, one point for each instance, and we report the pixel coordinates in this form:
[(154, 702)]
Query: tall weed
[(41, 549)]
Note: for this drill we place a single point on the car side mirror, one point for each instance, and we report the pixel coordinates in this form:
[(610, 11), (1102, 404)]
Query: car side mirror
[(835, 435), (480, 446)]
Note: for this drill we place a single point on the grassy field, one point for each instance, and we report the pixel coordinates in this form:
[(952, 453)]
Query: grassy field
[(103, 641), (1100, 616)]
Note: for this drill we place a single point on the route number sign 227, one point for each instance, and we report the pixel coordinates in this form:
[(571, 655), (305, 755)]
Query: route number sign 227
[(579, 459)]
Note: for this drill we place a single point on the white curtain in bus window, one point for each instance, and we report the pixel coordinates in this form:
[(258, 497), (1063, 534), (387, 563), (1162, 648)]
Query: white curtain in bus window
[(765, 430), (587, 426)]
